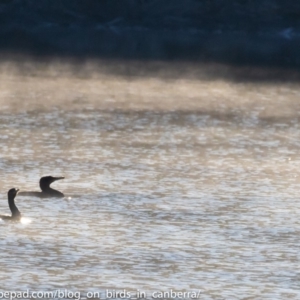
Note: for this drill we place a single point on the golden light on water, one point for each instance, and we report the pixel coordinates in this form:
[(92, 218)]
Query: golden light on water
[(162, 174)]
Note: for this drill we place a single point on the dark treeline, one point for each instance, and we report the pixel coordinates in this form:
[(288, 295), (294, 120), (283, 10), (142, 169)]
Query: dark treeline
[(246, 15), (260, 32)]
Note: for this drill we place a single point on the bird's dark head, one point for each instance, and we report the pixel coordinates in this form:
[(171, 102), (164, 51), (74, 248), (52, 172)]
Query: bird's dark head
[(47, 180), (12, 193)]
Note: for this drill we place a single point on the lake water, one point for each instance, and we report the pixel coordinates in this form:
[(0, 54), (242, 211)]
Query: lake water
[(171, 184)]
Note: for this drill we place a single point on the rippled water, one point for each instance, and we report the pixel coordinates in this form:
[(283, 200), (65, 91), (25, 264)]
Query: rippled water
[(183, 185)]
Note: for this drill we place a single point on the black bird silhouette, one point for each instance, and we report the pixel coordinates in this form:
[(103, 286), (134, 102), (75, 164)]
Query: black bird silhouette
[(15, 213), (47, 191)]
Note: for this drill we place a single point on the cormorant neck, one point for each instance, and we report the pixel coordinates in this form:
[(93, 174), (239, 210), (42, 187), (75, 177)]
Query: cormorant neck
[(48, 190), (52, 192), (14, 210), (45, 186)]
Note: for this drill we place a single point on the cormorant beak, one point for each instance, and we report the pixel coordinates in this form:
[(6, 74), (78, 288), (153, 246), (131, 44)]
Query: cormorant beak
[(58, 178), (17, 191)]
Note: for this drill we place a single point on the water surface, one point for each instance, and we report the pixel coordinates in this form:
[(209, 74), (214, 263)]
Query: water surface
[(170, 184)]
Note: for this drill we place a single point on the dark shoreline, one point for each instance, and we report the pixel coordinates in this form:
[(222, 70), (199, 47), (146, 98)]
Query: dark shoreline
[(258, 37), (266, 49), (235, 56)]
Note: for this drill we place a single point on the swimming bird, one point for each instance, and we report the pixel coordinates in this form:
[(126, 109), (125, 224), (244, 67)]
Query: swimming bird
[(47, 191), (15, 213)]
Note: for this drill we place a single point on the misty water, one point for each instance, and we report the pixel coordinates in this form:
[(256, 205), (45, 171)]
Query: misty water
[(182, 184)]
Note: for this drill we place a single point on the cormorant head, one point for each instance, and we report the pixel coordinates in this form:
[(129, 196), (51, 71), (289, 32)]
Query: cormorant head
[(12, 193), (47, 180)]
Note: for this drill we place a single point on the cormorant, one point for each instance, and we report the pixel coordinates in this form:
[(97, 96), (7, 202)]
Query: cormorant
[(15, 213), (47, 191)]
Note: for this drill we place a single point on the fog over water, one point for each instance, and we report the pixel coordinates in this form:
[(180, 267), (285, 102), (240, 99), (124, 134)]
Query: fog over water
[(172, 182)]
